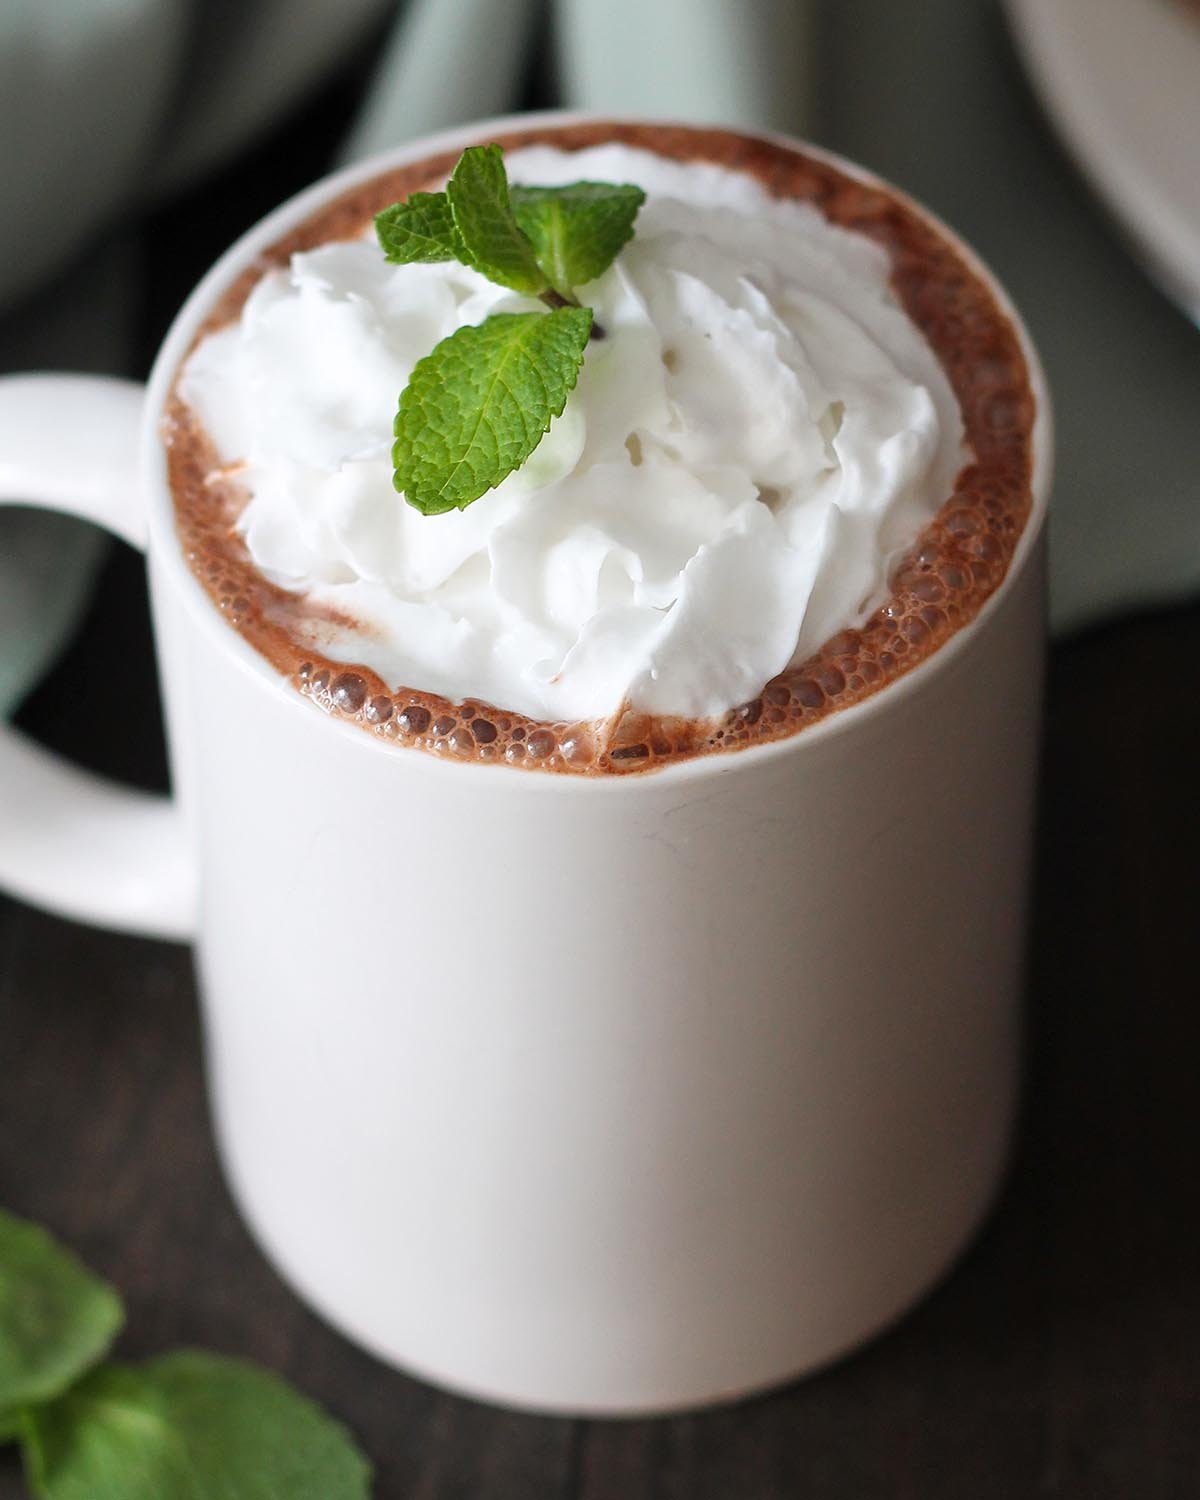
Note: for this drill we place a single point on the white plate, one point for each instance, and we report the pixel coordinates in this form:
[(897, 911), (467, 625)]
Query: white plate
[(1121, 81)]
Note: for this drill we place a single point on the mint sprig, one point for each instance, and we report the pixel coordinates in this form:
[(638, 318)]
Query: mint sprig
[(478, 406), (492, 241), (419, 229), (576, 231), (481, 401), (188, 1426), (56, 1318)]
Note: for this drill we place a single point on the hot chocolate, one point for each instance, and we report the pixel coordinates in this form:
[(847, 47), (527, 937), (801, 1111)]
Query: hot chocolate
[(949, 560)]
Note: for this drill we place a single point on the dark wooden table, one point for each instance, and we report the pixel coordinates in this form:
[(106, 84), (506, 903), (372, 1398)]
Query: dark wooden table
[(1061, 1359)]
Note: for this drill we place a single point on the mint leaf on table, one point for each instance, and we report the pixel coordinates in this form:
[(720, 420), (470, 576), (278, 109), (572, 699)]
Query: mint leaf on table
[(576, 231), (493, 242), (419, 229), (190, 1426), (56, 1318), (477, 407)]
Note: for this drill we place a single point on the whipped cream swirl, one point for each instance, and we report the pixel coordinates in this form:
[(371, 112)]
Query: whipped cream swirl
[(759, 433)]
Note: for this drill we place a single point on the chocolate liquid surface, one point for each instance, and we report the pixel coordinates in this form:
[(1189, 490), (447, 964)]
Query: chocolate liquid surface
[(938, 586)]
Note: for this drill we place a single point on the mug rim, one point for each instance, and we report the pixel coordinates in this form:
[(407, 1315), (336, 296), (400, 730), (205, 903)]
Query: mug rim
[(166, 553)]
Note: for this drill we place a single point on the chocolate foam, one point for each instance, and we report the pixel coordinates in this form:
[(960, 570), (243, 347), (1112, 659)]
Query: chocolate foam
[(953, 565)]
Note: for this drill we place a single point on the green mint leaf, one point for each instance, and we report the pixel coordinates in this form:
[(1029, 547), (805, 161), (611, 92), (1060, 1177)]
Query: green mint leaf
[(419, 229), (56, 1318), (492, 241), (190, 1426), (477, 407), (576, 231)]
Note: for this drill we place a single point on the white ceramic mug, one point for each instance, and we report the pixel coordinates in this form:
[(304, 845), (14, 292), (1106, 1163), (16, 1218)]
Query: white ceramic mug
[(612, 1095)]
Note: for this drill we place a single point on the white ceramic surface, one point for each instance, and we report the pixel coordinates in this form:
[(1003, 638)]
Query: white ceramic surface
[(1121, 80), (607, 1096)]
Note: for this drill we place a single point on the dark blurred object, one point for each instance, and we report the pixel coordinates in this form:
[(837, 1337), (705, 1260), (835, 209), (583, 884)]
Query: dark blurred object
[(101, 105), (932, 97)]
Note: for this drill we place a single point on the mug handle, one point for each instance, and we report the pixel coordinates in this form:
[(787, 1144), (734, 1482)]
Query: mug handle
[(70, 841)]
